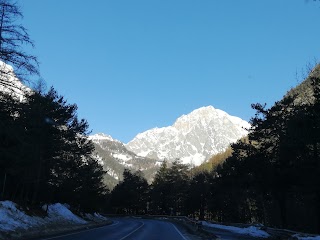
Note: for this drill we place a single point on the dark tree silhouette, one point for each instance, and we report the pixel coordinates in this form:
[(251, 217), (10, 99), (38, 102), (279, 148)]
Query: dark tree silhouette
[(13, 36), (199, 194), (45, 155), (169, 189), (130, 196)]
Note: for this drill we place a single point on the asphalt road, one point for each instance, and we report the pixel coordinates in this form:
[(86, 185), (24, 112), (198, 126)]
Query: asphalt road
[(129, 229)]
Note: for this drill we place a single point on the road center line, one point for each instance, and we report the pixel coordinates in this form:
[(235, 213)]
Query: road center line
[(132, 232), (184, 238)]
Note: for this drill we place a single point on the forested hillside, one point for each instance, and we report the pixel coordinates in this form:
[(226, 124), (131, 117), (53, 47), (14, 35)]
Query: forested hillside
[(214, 161)]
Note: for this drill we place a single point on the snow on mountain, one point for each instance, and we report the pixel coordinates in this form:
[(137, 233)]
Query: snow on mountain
[(115, 148), (115, 157), (9, 83), (100, 137), (193, 138)]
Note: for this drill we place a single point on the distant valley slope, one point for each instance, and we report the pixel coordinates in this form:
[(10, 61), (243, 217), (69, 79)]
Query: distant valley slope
[(115, 157)]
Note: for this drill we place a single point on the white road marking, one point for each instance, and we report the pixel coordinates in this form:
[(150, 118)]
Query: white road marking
[(184, 238), (132, 232)]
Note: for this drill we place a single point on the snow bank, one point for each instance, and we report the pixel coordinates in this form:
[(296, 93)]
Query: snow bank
[(300, 237), (12, 218), (59, 211), (96, 217), (252, 230)]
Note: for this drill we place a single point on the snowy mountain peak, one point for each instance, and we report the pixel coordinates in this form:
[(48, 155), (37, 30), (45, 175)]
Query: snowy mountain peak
[(205, 115), (96, 138), (193, 137)]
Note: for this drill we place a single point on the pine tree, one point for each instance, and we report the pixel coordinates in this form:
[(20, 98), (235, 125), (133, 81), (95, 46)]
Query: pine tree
[(10, 144), (53, 157), (169, 189), (130, 196), (199, 194)]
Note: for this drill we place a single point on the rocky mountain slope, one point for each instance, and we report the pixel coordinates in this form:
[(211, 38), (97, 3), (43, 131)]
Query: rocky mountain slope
[(10, 84), (303, 93), (115, 157), (193, 138)]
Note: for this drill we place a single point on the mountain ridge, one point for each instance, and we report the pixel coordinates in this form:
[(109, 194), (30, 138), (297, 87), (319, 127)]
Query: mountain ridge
[(115, 157), (193, 137)]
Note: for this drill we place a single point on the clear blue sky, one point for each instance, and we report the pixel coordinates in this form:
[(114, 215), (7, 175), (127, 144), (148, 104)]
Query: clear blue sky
[(131, 65)]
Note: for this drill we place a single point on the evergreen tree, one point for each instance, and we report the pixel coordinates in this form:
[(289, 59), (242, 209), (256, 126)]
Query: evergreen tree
[(10, 144), (160, 191), (271, 137), (199, 194), (130, 196), (51, 159), (169, 189)]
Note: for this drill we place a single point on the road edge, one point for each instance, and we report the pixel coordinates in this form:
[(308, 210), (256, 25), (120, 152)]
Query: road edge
[(47, 232)]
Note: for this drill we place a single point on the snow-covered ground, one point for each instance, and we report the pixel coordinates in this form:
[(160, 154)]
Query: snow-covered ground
[(255, 231), (300, 237), (13, 219), (252, 230)]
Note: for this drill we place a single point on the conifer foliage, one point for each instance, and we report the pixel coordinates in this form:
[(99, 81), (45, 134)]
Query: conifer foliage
[(274, 177), (45, 154), (169, 189), (130, 196)]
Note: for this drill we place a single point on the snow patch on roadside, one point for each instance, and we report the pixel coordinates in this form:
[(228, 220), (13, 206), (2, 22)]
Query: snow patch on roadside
[(300, 237), (12, 218), (96, 217), (59, 211), (252, 230)]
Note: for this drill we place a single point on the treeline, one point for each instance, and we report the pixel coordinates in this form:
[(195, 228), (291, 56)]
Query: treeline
[(273, 177), (45, 155)]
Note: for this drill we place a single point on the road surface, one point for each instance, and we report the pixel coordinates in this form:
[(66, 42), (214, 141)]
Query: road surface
[(129, 229)]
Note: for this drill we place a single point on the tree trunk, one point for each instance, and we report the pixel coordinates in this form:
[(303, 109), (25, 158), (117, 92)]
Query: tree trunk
[(38, 177), (4, 186), (283, 208), (202, 206)]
